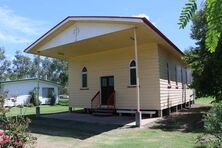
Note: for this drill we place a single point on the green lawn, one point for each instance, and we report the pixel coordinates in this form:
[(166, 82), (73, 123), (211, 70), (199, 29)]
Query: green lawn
[(58, 133), (204, 100), (44, 109), (179, 131)]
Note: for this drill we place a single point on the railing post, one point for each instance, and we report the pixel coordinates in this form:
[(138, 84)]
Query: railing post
[(92, 100)]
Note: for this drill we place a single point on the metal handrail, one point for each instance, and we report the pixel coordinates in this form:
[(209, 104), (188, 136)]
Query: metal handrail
[(96, 100), (111, 99)]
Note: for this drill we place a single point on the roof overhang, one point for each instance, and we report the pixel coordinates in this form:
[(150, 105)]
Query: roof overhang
[(113, 33), (30, 79)]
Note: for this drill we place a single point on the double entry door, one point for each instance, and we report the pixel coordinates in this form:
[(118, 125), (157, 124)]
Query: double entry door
[(107, 88)]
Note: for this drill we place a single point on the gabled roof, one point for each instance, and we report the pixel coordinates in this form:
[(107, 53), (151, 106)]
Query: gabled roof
[(106, 18), (30, 79)]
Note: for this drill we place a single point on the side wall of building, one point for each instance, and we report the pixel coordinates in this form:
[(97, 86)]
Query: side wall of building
[(175, 91), (21, 90)]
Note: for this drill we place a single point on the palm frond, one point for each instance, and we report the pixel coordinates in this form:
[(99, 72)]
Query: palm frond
[(187, 13), (214, 23)]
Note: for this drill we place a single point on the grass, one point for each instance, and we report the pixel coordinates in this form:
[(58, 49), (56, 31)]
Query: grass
[(63, 102), (130, 138), (204, 100), (44, 109), (178, 130), (79, 134)]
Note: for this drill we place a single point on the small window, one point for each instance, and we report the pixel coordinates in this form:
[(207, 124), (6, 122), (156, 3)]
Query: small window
[(168, 74), (186, 76), (132, 69), (84, 77), (176, 79)]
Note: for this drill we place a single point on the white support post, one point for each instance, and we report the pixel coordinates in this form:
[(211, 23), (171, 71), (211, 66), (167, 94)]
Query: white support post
[(38, 94), (138, 112)]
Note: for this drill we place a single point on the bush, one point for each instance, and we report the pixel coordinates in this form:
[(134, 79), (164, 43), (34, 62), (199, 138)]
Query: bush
[(33, 97), (213, 127), (64, 102), (52, 97), (14, 132), (29, 105)]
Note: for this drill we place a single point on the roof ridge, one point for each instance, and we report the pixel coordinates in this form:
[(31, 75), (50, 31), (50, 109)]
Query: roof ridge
[(29, 79)]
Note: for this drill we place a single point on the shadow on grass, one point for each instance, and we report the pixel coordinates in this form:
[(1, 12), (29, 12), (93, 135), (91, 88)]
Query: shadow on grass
[(66, 128), (186, 120)]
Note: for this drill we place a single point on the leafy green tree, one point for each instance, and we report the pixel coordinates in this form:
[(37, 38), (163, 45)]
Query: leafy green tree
[(21, 65), (207, 72), (213, 20), (4, 65), (61, 71), (55, 70), (33, 71)]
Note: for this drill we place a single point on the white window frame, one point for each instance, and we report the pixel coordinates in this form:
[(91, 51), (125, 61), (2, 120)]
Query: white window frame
[(82, 73), (131, 67)]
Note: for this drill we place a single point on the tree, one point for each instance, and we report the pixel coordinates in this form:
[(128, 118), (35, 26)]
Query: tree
[(61, 71), (207, 72), (4, 65), (34, 68), (55, 70), (213, 20), (21, 65), (24, 66)]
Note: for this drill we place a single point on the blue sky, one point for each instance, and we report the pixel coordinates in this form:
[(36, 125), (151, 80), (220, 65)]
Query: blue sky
[(23, 21)]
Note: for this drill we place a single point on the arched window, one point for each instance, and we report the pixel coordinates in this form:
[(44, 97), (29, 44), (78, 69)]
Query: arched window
[(84, 77), (132, 68)]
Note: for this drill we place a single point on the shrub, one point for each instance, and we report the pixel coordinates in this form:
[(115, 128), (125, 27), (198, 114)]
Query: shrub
[(14, 130), (29, 105), (64, 102), (213, 127), (33, 97), (52, 97)]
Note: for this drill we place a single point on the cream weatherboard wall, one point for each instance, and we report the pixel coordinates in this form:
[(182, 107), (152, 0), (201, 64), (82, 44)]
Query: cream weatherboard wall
[(116, 63), (177, 93)]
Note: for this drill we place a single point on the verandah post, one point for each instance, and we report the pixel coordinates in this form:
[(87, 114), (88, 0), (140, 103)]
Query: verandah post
[(138, 112), (38, 77)]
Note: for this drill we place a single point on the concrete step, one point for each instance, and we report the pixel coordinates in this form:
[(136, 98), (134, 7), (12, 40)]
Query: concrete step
[(102, 114), (101, 110)]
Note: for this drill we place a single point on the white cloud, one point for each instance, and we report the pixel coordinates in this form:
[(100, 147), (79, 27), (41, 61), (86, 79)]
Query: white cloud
[(142, 15), (12, 38), (146, 16), (17, 29)]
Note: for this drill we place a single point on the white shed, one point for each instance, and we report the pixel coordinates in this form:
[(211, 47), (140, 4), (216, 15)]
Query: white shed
[(22, 88)]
